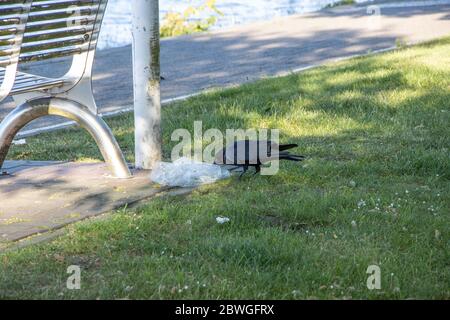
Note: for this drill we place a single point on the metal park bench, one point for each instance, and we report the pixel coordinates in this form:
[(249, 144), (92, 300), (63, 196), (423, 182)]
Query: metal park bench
[(35, 30)]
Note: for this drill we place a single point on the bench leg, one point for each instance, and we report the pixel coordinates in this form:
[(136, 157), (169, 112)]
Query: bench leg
[(72, 110)]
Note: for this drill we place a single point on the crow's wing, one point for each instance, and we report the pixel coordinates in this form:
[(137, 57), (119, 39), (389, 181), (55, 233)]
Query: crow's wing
[(242, 152)]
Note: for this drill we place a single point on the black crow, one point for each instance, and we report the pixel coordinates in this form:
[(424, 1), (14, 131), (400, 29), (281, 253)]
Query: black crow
[(254, 153)]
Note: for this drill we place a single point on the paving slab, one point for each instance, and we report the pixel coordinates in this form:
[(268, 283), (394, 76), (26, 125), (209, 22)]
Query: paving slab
[(36, 197)]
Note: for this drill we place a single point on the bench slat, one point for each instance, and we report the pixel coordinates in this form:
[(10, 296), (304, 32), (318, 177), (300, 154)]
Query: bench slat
[(52, 53), (37, 5), (24, 82), (58, 23), (36, 46), (11, 28)]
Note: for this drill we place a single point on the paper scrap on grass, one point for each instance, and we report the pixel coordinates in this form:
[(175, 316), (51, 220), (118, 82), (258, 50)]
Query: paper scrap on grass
[(19, 142), (222, 220)]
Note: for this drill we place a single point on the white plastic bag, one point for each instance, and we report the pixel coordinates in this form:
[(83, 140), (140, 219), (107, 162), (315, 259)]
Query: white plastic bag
[(185, 172)]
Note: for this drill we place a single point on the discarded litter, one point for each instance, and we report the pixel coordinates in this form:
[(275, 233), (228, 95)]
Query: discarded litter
[(222, 220), (185, 172), (19, 142)]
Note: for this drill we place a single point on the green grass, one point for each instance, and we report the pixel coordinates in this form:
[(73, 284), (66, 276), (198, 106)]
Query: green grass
[(374, 191)]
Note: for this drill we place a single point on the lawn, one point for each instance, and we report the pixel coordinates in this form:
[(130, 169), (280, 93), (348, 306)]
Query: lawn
[(374, 191)]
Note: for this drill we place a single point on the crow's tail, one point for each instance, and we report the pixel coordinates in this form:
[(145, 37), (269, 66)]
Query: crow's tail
[(287, 146)]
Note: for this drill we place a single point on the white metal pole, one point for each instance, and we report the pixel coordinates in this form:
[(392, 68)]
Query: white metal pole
[(146, 74)]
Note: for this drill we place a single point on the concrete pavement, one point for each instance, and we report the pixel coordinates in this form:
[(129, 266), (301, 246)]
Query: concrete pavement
[(38, 197)]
